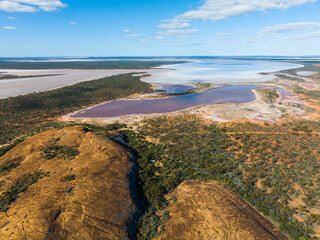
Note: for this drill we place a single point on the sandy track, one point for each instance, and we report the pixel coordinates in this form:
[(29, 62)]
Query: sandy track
[(66, 77)]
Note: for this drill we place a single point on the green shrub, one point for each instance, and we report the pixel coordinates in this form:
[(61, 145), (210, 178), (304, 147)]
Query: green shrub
[(68, 178), (151, 225), (166, 215)]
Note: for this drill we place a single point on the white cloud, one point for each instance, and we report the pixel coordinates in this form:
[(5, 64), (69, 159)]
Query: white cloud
[(185, 36), (288, 27), (231, 33), (73, 23), (11, 18), (126, 30), (132, 35), (175, 32), (30, 5), (222, 9), (307, 36), (174, 25), (250, 40), (9, 28)]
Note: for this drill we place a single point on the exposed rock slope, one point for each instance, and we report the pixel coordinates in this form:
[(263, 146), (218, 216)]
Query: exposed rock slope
[(206, 210), (85, 194)]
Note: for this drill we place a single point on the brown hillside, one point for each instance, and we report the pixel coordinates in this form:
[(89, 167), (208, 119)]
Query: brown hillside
[(96, 204), (207, 210)]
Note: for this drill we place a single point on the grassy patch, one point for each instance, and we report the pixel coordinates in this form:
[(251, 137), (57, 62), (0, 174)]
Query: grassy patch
[(55, 149), (7, 167), (269, 95), (18, 187)]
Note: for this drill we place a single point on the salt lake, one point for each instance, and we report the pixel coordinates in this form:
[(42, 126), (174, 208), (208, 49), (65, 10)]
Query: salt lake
[(179, 78), (219, 71)]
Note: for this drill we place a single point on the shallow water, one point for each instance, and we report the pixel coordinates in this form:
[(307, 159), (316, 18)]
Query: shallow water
[(227, 94), (219, 71), (306, 73)]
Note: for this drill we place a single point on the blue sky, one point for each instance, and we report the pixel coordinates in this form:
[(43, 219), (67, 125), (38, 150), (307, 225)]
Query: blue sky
[(159, 27)]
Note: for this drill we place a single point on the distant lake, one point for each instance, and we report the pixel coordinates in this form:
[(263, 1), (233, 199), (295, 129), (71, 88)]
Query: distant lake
[(227, 94), (306, 73), (219, 71)]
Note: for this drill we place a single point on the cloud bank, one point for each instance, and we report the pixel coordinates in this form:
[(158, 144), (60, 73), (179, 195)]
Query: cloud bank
[(288, 27), (30, 5), (9, 28), (221, 9)]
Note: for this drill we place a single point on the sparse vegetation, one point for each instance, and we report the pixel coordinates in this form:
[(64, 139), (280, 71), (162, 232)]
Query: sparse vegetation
[(238, 156), (55, 149), (309, 94), (7, 167), (17, 188), (269, 95), (115, 126), (7, 148)]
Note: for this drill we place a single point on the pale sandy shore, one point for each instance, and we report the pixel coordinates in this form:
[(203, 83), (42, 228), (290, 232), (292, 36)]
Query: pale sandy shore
[(64, 77)]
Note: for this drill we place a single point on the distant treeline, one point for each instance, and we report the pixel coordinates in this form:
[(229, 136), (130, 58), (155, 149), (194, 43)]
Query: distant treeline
[(6, 77), (308, 66), (35, 112), (85, 64)]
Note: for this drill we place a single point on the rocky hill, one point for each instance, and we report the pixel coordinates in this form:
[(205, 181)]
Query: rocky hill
[(202, 210), (66, 184)]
